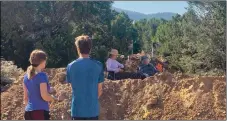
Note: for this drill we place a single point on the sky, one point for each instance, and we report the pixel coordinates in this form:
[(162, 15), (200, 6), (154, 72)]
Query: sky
[(149, 7)]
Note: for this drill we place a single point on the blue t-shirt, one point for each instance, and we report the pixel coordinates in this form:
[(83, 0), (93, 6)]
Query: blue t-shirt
[(84, 74), (35, 101)]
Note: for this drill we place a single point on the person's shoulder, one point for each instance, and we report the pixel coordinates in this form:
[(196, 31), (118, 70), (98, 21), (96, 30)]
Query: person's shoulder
[(150, 64), (141, 65), (71, 63), (109, 59), (25, 77), (42, 74), (97, 62)]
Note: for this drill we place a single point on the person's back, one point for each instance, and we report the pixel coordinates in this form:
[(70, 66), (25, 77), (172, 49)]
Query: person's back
[(86, 77), (36, 88), (84, 74), (35, 101), (147, 69)]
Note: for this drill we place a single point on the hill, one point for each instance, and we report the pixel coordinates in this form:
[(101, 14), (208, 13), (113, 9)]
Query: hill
[(137, 16), (162, 97)]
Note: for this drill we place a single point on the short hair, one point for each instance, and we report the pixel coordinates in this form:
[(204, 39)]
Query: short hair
[(83, 44)]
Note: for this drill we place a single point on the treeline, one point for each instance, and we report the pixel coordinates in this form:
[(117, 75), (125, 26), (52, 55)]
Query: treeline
[(194, 42), (52, 26)]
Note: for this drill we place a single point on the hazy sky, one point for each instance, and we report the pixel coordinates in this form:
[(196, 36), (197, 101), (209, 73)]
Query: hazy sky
[(152, 6)]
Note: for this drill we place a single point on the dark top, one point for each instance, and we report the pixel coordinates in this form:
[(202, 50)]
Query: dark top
[(147, 69)]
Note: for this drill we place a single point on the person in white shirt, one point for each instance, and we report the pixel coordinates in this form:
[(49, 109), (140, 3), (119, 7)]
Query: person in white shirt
[(115, 69)]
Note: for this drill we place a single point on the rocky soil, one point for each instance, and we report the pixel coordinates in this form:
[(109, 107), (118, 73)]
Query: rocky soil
[(162, 97)]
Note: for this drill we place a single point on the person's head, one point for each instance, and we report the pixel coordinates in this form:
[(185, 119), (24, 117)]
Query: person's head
[(38, 62), (114, 54), (145, 60), (83, 44)]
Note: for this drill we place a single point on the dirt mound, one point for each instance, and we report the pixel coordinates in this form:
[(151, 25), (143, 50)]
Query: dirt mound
[(132, 63), (9, 74), (156, 98)]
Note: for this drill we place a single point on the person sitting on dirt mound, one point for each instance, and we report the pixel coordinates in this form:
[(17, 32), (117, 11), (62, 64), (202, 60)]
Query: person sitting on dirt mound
[(115, 69), (36, 88), (146, 67), (161, 64), (85, 76)]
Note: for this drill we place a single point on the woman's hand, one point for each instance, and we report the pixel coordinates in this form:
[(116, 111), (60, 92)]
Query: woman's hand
[(120, 70)]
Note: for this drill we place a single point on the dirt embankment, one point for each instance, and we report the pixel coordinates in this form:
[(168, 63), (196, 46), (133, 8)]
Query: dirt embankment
[(162, 97)]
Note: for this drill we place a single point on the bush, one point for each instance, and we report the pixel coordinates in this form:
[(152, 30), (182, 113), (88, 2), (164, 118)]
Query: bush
[(9, 72)]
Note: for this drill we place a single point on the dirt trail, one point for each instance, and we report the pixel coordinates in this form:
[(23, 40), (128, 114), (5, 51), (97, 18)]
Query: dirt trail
[(156, 98)]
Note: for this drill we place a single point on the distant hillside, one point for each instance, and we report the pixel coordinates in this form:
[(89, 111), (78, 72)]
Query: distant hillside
[(137, 16)]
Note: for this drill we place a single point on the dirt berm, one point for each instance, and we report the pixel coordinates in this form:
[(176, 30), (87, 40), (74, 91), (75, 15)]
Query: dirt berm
[(162, 97)]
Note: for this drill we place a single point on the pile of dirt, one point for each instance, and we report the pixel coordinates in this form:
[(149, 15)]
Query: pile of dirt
[(162, 97), (9, 74), (131, 64)]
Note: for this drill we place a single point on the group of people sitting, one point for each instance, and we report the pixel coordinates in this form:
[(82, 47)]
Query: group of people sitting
[(146, 68)]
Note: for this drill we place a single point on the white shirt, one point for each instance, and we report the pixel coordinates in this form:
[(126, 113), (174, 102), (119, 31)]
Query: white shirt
[(113, 65)]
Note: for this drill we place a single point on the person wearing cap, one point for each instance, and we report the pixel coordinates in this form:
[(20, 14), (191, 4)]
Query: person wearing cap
[(115, 69), (146, 68), (112, 64)]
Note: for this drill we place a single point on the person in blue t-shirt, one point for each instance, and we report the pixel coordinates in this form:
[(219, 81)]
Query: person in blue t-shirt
[(85, 76), (37, 88)]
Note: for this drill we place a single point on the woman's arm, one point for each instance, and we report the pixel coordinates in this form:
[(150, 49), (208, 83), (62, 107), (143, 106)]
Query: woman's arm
[(99, 89), (44, 93), (25, 95), (120, 65)]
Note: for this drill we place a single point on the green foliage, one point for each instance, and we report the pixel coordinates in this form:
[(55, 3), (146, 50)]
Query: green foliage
[(147, 30), (194, 41), (52, 26)]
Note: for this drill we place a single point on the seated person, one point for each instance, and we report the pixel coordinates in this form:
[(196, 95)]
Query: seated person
[(115, 69), (146, 68), (161, 65)]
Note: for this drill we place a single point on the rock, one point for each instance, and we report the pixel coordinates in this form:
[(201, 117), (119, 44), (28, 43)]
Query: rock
[(146, 115), (154, 100), (16, 82), (69, 111), (190, 88), (62, 95), (60, 77), (201, 86), (52, 90)]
